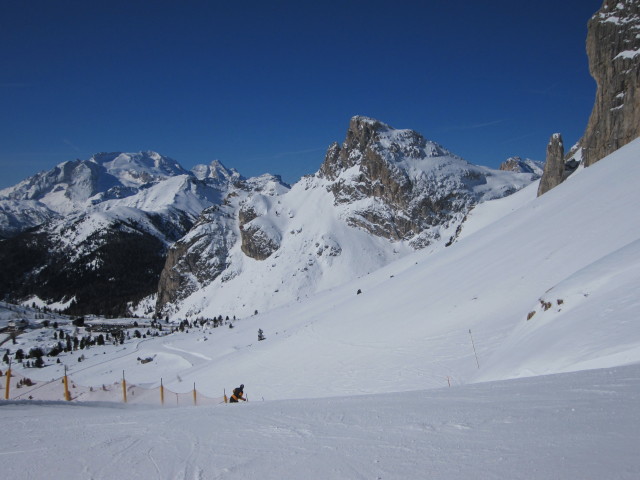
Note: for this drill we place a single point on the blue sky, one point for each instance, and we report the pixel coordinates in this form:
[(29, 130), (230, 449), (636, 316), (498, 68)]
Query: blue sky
[(268, 86)]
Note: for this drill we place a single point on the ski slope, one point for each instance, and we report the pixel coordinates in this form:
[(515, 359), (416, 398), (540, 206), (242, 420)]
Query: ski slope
[(581, 425)]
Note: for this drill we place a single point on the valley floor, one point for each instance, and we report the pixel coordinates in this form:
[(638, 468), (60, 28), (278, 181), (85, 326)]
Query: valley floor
[(577, 425)]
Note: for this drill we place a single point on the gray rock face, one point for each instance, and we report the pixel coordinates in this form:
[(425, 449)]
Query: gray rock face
[(517, 164), (256, 241), (613, 47), (198, 258), (554, 167), (257, 244), (405, 186), (401, 209)]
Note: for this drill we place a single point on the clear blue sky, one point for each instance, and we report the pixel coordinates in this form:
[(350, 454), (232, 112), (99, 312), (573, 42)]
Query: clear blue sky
[(267, 86)]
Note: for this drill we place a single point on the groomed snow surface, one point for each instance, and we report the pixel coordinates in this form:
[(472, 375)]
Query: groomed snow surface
[(353, 385), (571, 426)]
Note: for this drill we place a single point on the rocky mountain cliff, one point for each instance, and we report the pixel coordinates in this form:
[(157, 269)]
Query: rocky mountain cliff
[(613, 47), (382, 193), (401, 185)]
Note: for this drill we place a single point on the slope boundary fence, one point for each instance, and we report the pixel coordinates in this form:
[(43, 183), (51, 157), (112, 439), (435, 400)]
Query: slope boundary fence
[(64, 388)]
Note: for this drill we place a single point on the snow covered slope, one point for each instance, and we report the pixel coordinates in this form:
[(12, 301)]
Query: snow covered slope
[(570, 256), (571, 426), (575, 247)]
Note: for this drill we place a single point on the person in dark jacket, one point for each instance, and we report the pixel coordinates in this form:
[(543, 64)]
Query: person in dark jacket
[(237, 395)]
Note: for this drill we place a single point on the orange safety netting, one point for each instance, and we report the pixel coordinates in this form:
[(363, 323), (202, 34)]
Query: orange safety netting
[(21, 388)]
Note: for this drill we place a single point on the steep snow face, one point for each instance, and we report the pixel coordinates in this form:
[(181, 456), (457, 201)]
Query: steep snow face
[(63, 189), (307, 248), (183, 193), (136, 169)]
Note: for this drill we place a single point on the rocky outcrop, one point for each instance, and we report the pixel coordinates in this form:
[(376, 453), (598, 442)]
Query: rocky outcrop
[(259, 241), (554, 167), (199, 257), (520, 165), (613, 47), (403, 186), (372, 151)]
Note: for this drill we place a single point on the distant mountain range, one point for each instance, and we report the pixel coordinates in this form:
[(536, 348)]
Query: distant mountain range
[(101, 234)]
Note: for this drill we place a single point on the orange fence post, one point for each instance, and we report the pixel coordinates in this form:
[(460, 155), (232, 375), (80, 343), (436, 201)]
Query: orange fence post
[(124, 388), (161, 393), (7, 388), (194, 394), (67, 395), (226, 400)]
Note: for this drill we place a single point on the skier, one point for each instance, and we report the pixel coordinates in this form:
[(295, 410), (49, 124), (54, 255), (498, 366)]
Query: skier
[(237, 395)]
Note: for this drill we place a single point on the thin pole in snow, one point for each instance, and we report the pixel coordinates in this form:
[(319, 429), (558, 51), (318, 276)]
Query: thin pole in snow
[(474, 349)]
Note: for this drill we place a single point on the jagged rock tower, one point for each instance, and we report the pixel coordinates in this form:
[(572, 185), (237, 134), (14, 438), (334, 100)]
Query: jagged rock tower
[(554, 167)]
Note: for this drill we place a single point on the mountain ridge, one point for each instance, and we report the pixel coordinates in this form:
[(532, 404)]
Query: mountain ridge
[(391, 189), (210, 225)]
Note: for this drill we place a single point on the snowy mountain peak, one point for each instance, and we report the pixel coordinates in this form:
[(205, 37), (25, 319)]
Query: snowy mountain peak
[(135, 169), (216, 171)]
